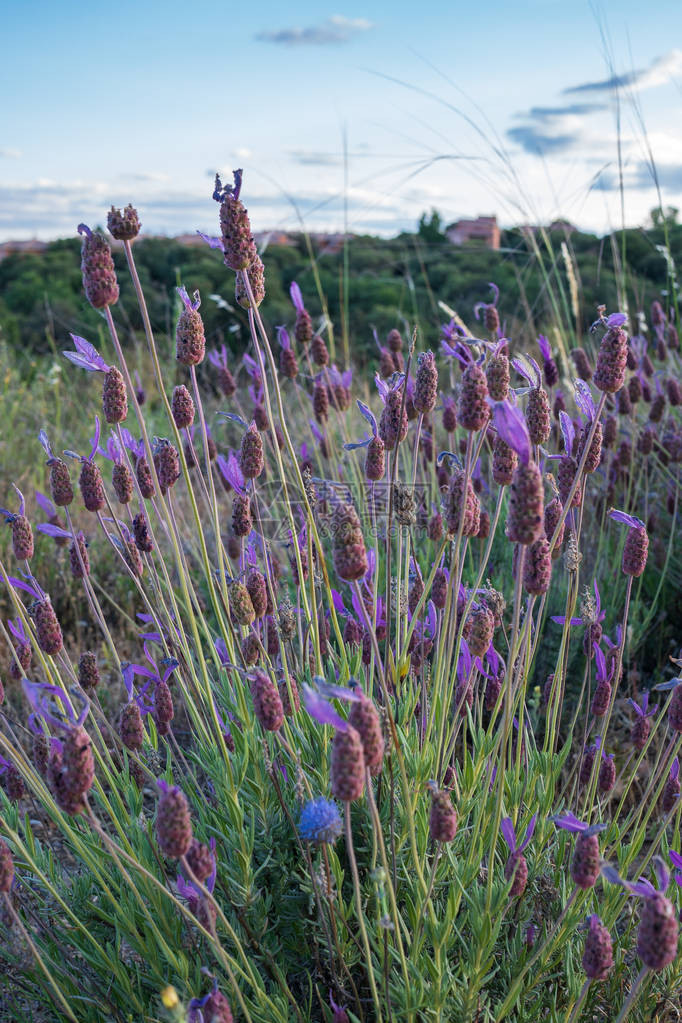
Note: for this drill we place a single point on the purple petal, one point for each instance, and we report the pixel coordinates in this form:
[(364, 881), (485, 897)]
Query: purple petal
[(338, 603), (675, 769), (567, 431), (641, 887), (56, 531), (529, 833), (89, 353), (512, 429), (45, 443), (495, 291), (431, 618), (676, 858), (95, 439), (191, 304), (212, 241), (21, 585), (601, 663), (233, 473), (45, 503), (616, 319), (544, 346), (18, 630), (507, 829), (283, 338), (334, 692), (662, 873), (524, 371), (464, 662), (382, 387), (612, 875), (321, 710), (368, 415), (628, 520), (584, 400), (569, 822), (296, 297)]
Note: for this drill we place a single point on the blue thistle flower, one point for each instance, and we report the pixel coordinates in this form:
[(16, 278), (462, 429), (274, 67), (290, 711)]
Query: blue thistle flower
[(320, 821)]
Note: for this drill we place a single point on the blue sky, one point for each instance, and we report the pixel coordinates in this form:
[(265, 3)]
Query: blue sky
[(469, 108)]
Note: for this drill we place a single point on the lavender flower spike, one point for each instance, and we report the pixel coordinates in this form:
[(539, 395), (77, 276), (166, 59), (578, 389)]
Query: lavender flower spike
[(509, 835)]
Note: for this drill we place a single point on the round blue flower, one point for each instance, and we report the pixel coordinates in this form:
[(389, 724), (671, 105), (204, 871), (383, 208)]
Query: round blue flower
[(320, 821)]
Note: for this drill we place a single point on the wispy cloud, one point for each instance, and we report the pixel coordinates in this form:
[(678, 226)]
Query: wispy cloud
[(336, 29), (659, 72), (552, 130), (8, 153), (638, 177)]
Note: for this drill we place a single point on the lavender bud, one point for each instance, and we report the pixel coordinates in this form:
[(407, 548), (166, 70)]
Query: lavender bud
[(461, 503), (145, 480), (97, 266), (473, 411), (131, 726), (240, 604), (504, 462), (517, 867), (258, 591), (91, 487), (609, 376), (78, 557), (497, 377), (6, 868), (114, 396), (581, 362), (88, 672), (267, 703), (182, 407), (537, 568), (350, 555), (658, 932), (256, 276), (607, 775), (442, 816), (318, 351), (288, 363), (238, 244), (365, 720), (426, 383), (594, 454), (22, 538), (525, 512), (173, 824), (538, 417), (200, 860), (242, 522), (122, 483), (190, 341), (635, 551), (125, 225), (48, 630), (375, 459), (320, 402), (164, 711), (61, 488), (143, 539), (167, 464), (347, 766), (553, 512), (251, 454), (566, 474), (598, 954), (393, 422)]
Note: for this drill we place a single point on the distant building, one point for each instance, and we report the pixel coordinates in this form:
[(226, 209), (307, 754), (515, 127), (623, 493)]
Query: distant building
[(562, 225), (27, 246), (483, 230)]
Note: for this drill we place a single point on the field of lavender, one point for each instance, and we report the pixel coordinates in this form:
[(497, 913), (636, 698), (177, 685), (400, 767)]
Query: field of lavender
[(341, 697)]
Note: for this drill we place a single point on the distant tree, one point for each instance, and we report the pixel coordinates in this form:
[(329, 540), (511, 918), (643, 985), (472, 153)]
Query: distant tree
[(664, 217), (431, 228)]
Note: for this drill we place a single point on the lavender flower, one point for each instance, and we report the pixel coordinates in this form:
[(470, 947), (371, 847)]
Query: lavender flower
[(516, 866), (320, 821)]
